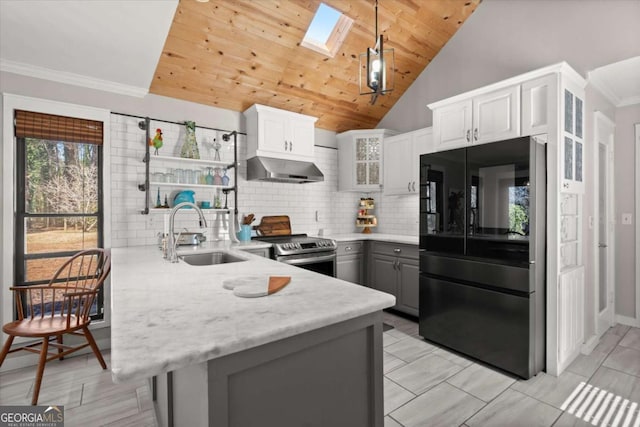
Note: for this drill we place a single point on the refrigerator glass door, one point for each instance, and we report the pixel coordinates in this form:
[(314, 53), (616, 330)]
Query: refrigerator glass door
[(442, 202), (498, 212)]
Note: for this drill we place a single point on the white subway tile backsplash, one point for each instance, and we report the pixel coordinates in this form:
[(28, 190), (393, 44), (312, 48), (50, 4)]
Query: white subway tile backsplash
[(396, 215)]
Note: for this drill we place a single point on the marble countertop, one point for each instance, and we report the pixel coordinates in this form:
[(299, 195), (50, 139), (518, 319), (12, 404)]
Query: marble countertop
[(393, 238), (165, 316)]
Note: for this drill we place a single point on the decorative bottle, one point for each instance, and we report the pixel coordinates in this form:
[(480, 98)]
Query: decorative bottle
[(190, 146)]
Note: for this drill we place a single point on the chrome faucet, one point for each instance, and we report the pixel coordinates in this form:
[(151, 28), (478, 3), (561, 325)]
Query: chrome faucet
[(172, 241)]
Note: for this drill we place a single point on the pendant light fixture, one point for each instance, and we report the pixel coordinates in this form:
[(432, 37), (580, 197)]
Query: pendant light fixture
[(376, 68)]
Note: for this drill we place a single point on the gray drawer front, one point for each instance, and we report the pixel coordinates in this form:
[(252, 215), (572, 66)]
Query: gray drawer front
[(350, 248), (395, 249)]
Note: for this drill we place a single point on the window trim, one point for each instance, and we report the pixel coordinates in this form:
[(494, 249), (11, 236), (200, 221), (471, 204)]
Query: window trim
[(10, 103)]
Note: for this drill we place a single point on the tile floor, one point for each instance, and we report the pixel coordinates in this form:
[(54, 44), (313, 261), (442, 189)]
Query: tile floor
[(428, 386), (423, 386)]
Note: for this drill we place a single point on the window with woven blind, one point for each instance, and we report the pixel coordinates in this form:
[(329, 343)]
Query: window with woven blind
[(29, 124), (59, 200)]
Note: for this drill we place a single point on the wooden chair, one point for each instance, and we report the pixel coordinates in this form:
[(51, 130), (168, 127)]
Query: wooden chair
[(61, 307)]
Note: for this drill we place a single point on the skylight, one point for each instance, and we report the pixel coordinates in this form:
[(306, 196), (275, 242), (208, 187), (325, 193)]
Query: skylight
[(327, 31)]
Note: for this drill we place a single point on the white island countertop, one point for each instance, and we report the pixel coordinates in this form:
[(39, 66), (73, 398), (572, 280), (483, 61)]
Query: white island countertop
[(165, 316)]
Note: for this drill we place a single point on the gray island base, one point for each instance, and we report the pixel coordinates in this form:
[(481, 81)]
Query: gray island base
[(330, 376)]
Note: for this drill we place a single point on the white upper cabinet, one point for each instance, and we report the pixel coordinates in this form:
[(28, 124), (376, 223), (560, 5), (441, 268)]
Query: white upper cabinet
[(278, 133), (539, 104), (360, 154), (402, 161), (452, 125), (572, 141), (496, 115), (484, 118)]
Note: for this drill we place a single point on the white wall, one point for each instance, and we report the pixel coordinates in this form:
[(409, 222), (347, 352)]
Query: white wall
[(624, 154), (502, 39)]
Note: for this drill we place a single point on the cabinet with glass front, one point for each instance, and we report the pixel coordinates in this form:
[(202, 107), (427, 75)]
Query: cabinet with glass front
[(360, 159)]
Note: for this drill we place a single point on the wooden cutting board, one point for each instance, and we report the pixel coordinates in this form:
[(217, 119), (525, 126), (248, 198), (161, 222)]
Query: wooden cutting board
[(277, 225)]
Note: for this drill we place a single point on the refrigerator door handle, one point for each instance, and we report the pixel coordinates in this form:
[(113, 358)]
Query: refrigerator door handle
[(532, 261)]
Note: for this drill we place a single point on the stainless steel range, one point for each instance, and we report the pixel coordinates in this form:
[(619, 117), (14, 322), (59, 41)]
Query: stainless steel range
[(312, 253)]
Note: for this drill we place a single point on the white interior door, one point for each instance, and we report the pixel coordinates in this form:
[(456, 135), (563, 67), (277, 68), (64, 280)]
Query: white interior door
[(604, 280)]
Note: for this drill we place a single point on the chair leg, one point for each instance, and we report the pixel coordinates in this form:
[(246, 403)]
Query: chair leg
[(94, 347), (6, 348), (40, 371), (59, 341)]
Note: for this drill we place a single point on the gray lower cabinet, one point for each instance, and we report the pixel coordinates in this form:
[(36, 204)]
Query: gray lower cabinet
[(394, 269), (330, 376), (350, 262)]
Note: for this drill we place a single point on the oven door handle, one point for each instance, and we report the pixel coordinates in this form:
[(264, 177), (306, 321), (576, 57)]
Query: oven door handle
[(309, 260)]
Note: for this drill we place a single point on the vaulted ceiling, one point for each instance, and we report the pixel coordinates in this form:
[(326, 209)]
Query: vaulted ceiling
[(232, 54)]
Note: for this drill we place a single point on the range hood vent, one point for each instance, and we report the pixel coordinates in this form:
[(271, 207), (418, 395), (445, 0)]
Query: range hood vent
[(281, 170)]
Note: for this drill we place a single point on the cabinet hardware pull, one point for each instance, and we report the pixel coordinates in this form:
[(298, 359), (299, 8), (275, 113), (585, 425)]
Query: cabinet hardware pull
[(602, 245), (408, 186), (468, 135), (285, 146), (397, 250), (290, 146), (475, 134), (347, 249), (413, 185)]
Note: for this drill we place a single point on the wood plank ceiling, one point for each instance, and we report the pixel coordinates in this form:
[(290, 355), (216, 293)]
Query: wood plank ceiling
[(235, 53)]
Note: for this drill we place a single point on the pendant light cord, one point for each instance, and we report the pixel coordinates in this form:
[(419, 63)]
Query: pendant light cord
[(376, 7)]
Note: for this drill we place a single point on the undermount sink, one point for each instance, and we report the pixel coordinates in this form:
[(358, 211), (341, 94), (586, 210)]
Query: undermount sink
[(210, 258)]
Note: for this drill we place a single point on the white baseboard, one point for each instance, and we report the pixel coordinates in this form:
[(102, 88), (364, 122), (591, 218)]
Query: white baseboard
[(23, 359), (589, 345), (626, 320)]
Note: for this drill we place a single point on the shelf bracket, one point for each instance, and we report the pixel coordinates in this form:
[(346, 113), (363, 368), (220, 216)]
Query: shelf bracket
[(144, 125)]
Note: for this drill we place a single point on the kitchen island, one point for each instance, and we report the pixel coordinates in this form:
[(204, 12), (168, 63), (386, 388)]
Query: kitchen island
[(310, 354)]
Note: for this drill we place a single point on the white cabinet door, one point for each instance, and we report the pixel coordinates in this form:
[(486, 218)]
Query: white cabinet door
[(302, 133), (402, 161), (398, 164), (360, 159), (538, 105), (452, 125), (496, 115), (272, 132), (572, 142)]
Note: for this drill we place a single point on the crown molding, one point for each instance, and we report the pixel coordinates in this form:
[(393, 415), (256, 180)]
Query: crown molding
[(605, 89), (71, 78)]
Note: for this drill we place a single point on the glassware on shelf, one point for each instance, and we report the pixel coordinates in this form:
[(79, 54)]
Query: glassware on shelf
[(217, 179), (225, 178), (217, 203), (209, 177), (158, 177), (171, 177), (188, 176), (179, 173), (197, 177)]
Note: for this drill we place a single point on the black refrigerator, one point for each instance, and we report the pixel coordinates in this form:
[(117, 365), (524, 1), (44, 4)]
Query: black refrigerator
[(482, 253)]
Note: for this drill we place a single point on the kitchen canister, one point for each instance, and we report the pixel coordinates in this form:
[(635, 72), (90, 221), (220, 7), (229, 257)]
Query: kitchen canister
[(244, 235)]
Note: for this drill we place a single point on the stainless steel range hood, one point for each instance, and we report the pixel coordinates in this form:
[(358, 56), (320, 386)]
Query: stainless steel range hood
[(281, 170)]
